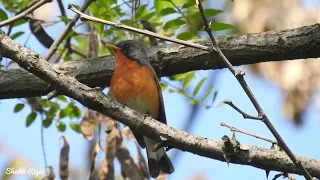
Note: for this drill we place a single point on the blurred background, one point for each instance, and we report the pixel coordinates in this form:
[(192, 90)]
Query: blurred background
[(288, 91)]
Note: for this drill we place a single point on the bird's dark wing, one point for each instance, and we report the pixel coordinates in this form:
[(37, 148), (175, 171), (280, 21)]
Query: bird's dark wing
[(162, 112), (144, 60)]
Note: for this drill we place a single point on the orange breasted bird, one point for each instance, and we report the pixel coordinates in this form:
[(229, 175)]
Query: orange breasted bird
[(134, 83)]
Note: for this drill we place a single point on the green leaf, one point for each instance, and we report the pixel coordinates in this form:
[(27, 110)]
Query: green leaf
[(126, 22), (18, 107), (167, 11), (207, 93), (30, 118), (188, 4), (163, 86), (16, 35), (181, 76), (218, 26), (19, 22), (187, 35), (47, 122), (148, 16), (187, 80), (174, 24), (64, 19), (177, 2), (141, 10), (64, 112), (62, 98), (103, 3), (207, 12), (75, 112), (71, 111), (183, 93), (161, 4), (54, 107), (172, 91), (196, 89), (62, 126), (75, 127), (3, 15), (214, 96), (194, 102), (44, 102)]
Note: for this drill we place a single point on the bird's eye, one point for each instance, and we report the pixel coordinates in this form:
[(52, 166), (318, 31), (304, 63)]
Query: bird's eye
[(127, 46)]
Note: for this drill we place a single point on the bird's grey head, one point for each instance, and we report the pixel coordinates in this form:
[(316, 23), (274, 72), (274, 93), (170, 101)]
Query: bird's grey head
[(133, 49)]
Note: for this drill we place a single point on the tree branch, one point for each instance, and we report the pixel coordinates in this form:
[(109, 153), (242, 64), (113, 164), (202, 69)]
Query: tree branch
[(239, 75), (24, 13), (172, 59), (53, 48), (244, 114), (140, 31), (96, 100), (234, 129)]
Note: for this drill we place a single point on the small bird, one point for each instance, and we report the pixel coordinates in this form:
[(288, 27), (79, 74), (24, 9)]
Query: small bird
[(134, 83)]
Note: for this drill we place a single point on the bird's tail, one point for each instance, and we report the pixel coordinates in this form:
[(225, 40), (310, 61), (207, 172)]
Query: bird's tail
[(157, 159)]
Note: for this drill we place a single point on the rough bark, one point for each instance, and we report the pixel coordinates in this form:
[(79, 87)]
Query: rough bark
[(299, 43), (94, 99)]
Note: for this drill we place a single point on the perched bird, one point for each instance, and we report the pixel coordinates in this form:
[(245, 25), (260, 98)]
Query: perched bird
[(134, 83)]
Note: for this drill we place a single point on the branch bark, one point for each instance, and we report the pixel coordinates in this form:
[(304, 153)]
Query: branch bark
[(299, 43), (94, 99)]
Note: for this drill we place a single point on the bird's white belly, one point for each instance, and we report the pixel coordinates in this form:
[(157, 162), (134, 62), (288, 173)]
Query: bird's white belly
[(138, 104)]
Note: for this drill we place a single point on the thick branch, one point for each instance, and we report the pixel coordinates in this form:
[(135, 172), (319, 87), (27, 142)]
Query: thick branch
[(171, 59), (96, 100)]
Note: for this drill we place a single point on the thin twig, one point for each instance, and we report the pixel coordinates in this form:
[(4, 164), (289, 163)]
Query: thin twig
[(145, 32), (185, 17), (183, 92), (239, 76), (67, 28), (20, 11), (133, 14), (81, 33), (73, 50), (245, 115), (42, 145), (61, 7), (24, 13), (67, 45), (234, 129)]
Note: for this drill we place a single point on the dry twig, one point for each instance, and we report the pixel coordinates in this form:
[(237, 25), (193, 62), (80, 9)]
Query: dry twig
[(145, 32), (244, 114), (234, 129)]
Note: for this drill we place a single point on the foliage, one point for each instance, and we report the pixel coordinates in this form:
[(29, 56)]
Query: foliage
[(170, 17)]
